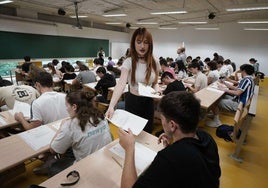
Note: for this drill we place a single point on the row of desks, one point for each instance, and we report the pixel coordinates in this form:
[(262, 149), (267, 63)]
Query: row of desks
[(207, 96)]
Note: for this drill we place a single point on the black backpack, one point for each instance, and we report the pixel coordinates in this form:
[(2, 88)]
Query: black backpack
[(225, 131)]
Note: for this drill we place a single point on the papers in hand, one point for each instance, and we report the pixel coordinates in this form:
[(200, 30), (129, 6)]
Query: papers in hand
[(125, 120), (23, 107), (143, 155), (147, 91)]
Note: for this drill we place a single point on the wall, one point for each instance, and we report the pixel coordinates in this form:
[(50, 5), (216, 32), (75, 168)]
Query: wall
[(63, 30), (230, 41)]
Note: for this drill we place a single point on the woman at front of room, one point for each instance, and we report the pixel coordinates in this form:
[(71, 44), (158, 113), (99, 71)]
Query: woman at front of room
[(139, 67)]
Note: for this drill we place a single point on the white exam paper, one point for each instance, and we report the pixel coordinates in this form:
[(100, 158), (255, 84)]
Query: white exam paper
[(214, 90), (38, 137), (143, 155), (23, 107), (2, 121), (125, 120), (147, 91)]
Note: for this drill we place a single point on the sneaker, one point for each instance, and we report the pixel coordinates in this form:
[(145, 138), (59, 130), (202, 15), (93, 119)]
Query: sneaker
[(41, 170), (210, 115), (213, 123)]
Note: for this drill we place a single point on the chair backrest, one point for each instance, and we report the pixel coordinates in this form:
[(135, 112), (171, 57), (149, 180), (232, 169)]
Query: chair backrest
[(240, 116)]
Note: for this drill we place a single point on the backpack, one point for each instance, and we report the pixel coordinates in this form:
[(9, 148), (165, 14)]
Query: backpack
[(225, 131)]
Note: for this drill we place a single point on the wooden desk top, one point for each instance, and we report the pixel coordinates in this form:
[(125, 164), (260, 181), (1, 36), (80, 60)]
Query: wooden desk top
[(99, 169), (208, 96), (14, 150), (8, 118)]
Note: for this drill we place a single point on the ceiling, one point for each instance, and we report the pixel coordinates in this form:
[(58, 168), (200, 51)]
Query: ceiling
[(138, 11)]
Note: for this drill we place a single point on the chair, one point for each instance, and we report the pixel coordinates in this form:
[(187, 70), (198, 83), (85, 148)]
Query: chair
[(241, 127)]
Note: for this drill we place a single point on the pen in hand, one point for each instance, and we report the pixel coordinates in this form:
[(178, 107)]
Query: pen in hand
[(117, 162)]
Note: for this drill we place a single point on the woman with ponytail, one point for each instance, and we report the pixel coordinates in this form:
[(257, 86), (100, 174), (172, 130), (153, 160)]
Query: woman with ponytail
[(86, 131)]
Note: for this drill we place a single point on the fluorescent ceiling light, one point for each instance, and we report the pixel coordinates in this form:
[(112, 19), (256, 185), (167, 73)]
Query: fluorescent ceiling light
[(208, 28), (133, 27), (256, 29), (246, 9), (79, 16), (113, 23), (114, 15), (253, 22), (147, 23), (168, 28), (168, 12), (5, 2), (192, 22)]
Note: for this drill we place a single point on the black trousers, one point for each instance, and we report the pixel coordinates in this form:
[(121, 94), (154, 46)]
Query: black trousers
[(141, 106)]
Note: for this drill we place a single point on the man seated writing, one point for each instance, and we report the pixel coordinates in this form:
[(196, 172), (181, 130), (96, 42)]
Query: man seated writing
[(49, 107), (234, 94), (172, 84), (190, 157)]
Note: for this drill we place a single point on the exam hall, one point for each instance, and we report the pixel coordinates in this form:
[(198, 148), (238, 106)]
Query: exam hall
[(222, 34)]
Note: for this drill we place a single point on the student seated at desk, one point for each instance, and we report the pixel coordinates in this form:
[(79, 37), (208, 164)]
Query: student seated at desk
[(85, 76), (86, 131), (172, 84), (234, 94), (22, 93), (213, 74), (54, 72), (200, 78), (106, 80), (192, 160), (49, 107)]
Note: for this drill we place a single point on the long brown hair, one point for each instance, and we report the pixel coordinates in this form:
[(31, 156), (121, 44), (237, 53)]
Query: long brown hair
[(150, 61), (86, 110)]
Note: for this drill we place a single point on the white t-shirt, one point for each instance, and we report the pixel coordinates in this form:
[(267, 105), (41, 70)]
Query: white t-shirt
[(201, 81), (140, 74), (83, 143), (214, 75), (22, 93), (49, 107)]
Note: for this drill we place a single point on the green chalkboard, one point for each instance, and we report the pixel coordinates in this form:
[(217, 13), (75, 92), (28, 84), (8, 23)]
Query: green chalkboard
[(17, 45)]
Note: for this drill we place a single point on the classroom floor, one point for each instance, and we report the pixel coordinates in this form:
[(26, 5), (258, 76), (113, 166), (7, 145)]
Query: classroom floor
[(253, 172)]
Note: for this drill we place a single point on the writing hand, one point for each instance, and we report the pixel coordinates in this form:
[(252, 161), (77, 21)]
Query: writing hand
[(163, 138)]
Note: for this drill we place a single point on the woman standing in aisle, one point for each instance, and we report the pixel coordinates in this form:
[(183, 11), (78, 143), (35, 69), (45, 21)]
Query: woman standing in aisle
[(141, 67)]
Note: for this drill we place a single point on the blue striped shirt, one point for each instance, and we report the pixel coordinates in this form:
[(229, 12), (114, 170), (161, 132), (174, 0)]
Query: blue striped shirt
[(247, 86)]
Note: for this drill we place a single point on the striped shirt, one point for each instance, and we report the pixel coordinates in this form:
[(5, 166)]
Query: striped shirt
[(247, 86)]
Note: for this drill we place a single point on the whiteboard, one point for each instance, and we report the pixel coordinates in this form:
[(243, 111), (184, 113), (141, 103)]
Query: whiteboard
[(118, 49)]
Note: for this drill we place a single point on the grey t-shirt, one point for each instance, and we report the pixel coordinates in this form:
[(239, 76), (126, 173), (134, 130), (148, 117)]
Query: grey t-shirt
[(83, 142)]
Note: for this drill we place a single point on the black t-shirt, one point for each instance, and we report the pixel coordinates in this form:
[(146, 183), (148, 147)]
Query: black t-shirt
[(104, 83), (174, 86), (26, 67), (187, 163)]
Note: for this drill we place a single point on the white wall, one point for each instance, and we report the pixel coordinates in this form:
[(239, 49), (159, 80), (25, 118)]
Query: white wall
[(230, 41)]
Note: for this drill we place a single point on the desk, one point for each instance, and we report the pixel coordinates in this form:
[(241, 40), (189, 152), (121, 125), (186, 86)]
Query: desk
[(8, 118), (14, 150), (99, 169), (208, 96)]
